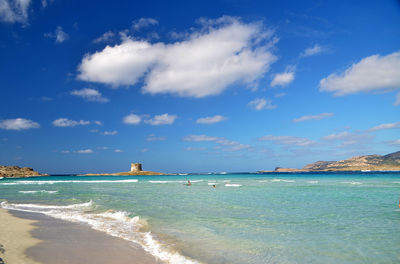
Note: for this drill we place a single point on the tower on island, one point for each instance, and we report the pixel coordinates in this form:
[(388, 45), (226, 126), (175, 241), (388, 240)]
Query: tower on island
[(136, 167)]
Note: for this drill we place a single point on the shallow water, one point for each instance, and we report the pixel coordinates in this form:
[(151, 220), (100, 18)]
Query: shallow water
[(248, 218)]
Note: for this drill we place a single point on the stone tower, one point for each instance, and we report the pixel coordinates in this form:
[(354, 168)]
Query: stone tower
[(136, 166)]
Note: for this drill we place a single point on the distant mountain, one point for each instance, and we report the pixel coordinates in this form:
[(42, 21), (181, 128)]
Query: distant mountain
[(17, 172), (389, 162)]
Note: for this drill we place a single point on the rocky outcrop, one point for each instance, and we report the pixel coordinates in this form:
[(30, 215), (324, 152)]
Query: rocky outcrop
[(17, 172), (389, 162)]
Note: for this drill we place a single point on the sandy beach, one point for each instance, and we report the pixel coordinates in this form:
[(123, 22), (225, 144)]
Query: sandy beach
[(30, 238)]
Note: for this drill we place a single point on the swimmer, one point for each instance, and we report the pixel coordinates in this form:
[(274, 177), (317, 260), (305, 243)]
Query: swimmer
[(188, 184)]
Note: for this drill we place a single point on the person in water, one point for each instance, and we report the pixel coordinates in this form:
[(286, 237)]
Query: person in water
[(189, 183)]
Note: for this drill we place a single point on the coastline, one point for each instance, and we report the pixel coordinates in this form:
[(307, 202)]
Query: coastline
[(42, 239)]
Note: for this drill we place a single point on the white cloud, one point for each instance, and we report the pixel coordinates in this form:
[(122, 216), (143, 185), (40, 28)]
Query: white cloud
[(105, 38), (143, 150), (103, 148), (84, 151), (313, 117), (153, 137), (373, 73), (223, 144), (385, 126), (65, 122), (283, 79), (91, 95), (211, 119), (118, 150), (45, 3), (164, 119), (261, 104), (132, 119), (394, 142), (143, 23), (279, 95), (397, 102), (312, 51), (12, 11), (289, 140), (223, 52), (110, 133), (18, 124), (99, 123), (337, 136), (199, 138), (348, 138), (59, 35)]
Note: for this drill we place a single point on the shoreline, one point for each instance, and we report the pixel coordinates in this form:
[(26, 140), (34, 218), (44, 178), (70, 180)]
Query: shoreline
[(47, 240)]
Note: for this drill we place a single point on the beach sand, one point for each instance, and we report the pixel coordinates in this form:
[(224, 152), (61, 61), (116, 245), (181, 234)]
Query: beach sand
[(15, 238), (61, 242)]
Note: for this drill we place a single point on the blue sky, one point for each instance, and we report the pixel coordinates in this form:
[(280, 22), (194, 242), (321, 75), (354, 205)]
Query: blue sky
[(196, 86)]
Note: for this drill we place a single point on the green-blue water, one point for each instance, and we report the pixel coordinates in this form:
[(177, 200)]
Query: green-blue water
[(249, 218)]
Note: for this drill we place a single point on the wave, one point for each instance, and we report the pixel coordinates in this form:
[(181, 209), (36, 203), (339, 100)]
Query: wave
[(66, 181), (353, 183), (313, 182), (281, 180), (212, 183), (232, 185), (114, 223), (194, 181), (41, 191)]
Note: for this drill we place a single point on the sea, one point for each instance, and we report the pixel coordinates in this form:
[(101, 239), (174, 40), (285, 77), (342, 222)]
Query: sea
[(229, 218)]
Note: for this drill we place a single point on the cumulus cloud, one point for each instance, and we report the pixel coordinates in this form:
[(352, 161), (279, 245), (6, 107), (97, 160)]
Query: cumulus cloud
[(99, 123), (143, 23), (118, 150), (289, 140), (312, 51), (373, 73), (385, 126), (59, 35), (211, 119), (12, 11), (18, 124), (153, 137), (313, 117), (261, 104), (283, 79), (132, 119), (91, 95), (164, 119), (105, 38), (208, 61), (65, 122)]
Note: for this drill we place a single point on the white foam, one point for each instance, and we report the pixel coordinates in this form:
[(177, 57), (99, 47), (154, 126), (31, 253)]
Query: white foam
[(396, 182), (353, 183), (282, 180), (232, 185), (313, 182), (41, 191), (194, 181), (67, 181), (117, 224), (212, 183)]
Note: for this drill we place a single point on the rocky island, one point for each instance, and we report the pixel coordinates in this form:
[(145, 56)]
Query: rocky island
[(17, 172), (136, 169), (389, 162)]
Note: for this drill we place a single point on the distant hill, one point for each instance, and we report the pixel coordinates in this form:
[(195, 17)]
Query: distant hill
[(17, 172), (389, 162)]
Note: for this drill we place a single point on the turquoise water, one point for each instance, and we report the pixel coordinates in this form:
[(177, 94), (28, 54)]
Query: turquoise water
[(249, 218)]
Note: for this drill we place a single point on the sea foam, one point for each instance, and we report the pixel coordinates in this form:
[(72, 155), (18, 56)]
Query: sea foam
[(114, 223), (67, 181), (41, 191)]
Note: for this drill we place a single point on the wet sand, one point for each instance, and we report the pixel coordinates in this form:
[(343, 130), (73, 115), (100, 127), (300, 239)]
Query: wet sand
[(65, 242)]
